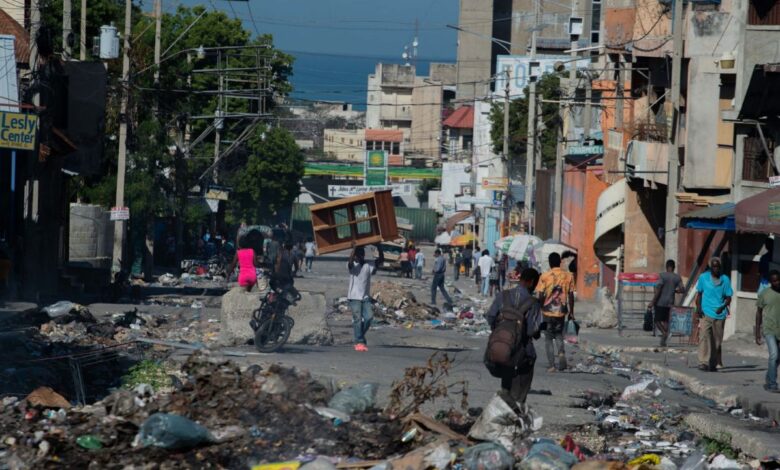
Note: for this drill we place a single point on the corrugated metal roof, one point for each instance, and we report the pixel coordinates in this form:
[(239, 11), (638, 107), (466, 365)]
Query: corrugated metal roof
[(9, 26), (461, 118), (715, 211)]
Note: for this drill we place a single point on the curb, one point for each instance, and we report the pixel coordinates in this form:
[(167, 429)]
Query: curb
[(739, 435), (724, 395)]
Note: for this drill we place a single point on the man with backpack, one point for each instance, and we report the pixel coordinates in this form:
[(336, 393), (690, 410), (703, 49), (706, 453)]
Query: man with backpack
[(515, 319), (556, 292)]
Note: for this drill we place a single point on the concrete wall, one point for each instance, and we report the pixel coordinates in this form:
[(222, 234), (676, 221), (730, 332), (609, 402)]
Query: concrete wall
[(15, 9), (643, 250), (345, 145), (581, 193), (474, 52), (91, 233), (425, 134)]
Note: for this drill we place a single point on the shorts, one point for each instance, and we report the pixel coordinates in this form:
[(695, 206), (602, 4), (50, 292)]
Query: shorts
[(662, 313)]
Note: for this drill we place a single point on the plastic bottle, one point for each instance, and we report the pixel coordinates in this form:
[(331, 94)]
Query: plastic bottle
[(695, 461)]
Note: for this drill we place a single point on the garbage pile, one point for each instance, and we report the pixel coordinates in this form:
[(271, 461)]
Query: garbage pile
[(70, 323), (218, 416), (396, 304)]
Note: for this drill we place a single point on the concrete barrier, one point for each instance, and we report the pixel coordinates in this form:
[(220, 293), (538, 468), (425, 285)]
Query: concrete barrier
[(311, 326)]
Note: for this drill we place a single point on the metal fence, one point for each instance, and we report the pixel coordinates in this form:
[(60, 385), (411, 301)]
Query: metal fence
[(635, 292)]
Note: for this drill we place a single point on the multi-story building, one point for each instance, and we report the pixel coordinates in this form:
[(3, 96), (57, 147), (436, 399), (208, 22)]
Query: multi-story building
[(400, 100), (489, 28), (725, 144), (345, 145)]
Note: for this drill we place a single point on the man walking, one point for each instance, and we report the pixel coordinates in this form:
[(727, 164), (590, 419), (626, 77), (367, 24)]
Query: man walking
[(439, 268), (486, 264), (309, 251), (419, 262), (516, 382), (556, 292), (359, 293), (768, 326), (669, 284), (713, 296), (458, 262), (468, 254)]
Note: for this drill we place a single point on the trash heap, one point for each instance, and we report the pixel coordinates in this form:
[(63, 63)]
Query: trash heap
[(217, 417), (396, 304), (70, 323)]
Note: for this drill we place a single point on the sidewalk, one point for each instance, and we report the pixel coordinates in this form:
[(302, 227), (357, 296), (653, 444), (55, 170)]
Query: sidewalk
[(738, 384)]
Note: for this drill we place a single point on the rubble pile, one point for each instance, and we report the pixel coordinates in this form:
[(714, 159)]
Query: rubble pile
[(242, 418)]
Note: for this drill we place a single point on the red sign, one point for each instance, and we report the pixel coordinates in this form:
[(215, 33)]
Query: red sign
[(639, 277)]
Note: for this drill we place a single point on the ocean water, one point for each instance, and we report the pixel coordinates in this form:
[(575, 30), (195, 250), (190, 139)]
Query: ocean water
[(329, 77)]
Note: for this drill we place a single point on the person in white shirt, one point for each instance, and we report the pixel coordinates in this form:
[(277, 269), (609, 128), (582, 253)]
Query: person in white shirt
[(310, 249), (359, 293), (486, 264), (419, 261)]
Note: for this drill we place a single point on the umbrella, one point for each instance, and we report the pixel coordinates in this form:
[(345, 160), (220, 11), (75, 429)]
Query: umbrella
[(543, 250), (463, 240)]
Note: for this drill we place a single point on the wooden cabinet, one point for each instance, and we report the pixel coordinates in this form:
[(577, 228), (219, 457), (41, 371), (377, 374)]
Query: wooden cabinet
[(364, 219)]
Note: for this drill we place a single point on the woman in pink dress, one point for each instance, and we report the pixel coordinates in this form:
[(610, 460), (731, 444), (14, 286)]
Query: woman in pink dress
[(247, 264)]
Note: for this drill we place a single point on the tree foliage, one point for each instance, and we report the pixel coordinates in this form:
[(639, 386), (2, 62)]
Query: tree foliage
[(548, 88), (270, 179)]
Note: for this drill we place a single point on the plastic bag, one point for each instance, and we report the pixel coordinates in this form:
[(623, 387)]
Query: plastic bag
[(571, 331), (355, 399), (487, 456), (63, 307), (499, 423), (547, 455), (172, 432)]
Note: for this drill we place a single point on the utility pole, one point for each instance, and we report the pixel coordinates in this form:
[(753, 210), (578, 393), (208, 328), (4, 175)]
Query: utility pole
[(559, 161), (586, 118), (67, 28), (670, 229), (83, 35), (35, 25), (119, 225), (530, 153), (157, 34), (505, 154)]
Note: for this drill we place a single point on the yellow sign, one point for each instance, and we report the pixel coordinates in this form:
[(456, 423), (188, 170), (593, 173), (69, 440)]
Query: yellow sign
[(292, 465), (18, 130), (495, 183)]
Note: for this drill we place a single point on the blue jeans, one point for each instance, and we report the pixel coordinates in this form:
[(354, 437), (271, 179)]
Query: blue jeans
[(309, 261), (485, 284), (438, 283), (771, 371), (362, 314), (418, 272)]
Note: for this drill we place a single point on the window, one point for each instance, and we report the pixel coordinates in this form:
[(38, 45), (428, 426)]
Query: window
[(386, 146), (764, 13), (396, 148), (350, 142), (342, 140), (595, 21)]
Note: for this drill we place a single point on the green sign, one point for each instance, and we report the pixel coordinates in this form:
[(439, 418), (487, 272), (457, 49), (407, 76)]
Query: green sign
[(376, 159), (376, 177), (774, 211)]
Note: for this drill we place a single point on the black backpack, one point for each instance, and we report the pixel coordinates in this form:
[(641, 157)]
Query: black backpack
[(505, 352)]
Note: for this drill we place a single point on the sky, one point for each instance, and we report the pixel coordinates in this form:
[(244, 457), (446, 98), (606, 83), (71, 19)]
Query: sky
[(368, 28)]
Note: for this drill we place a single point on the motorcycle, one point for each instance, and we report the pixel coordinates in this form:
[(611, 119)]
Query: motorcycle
[(270, 322)]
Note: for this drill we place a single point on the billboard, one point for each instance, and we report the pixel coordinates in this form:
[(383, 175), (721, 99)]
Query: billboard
[(519, 66)]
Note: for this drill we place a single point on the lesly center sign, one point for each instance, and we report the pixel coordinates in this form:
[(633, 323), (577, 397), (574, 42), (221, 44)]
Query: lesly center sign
[(18, 130)]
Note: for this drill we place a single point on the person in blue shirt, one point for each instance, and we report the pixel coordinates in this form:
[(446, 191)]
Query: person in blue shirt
[(713, 296)]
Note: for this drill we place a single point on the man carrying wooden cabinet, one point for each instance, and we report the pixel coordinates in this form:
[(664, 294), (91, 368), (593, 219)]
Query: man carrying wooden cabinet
[(359, 293)]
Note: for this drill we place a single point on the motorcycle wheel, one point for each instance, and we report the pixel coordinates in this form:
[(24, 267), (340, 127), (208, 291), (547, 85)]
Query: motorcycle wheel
[(270, 336)]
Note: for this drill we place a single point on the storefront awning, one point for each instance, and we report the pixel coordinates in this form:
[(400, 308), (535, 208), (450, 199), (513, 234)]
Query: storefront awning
[(760, 213), (714, 217)]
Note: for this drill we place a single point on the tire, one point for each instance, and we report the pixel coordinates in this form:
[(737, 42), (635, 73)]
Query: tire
[(271, 336)]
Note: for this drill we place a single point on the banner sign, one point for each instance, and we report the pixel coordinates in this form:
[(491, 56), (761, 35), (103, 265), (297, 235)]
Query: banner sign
[(18, 130), (495, 183), (120, 213), (338, 191)]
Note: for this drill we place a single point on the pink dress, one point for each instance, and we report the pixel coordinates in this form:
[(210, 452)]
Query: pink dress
[(247, 276)]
